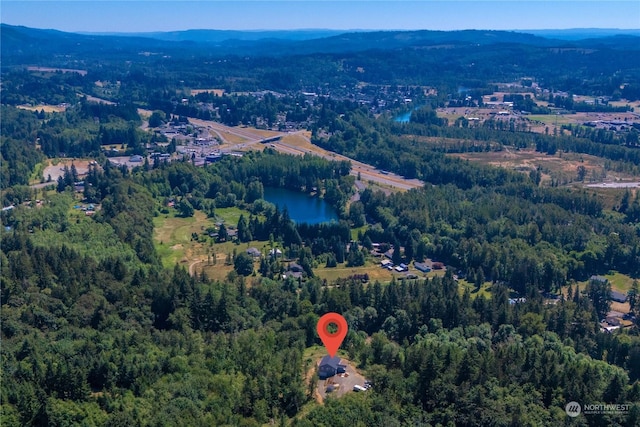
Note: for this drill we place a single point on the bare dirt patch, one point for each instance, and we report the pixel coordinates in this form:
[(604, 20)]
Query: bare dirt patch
[(216, 92), (57, 170)]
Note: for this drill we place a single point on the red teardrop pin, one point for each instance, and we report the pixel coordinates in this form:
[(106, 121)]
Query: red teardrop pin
[(332, 340)]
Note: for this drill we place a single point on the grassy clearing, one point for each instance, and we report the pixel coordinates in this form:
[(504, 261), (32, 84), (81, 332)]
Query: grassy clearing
[(485, 289), (552, 119), (619, 282), (37, 174), (230, 216), (172, 236), (174, 243), (45, 107), (342, 271), (355, 231)]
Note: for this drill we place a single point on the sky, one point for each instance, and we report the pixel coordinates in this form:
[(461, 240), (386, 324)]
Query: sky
[(172, 15)]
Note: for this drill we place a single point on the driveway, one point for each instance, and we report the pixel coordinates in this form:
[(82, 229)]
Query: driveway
[(344, 382)]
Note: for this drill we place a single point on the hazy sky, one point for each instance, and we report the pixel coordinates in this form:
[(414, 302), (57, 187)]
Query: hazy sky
[(154, 15)]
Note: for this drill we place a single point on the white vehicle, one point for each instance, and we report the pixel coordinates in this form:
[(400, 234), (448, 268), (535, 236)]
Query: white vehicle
[(359, 388)]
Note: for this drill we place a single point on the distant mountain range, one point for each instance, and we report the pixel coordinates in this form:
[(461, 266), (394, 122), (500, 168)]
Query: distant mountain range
[(218, 36), (583, 33), (20, 44)]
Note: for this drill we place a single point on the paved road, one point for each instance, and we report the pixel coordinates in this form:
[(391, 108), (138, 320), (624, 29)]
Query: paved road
[(251, 137), (367, 172)]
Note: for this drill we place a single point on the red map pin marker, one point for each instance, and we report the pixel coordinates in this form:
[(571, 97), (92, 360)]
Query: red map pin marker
[(332, 341)]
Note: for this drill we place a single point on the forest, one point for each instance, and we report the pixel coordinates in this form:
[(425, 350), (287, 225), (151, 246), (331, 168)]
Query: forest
[(97, 331)]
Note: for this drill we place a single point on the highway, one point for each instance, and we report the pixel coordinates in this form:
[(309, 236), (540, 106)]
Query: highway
[(252, 136)]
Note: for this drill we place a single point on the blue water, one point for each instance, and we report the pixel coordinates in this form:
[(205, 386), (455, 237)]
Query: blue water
[(301, 207)]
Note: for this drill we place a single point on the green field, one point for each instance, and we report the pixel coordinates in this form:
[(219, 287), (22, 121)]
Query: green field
[(230, 216), (172, 236), (619, 282), (485, 289)]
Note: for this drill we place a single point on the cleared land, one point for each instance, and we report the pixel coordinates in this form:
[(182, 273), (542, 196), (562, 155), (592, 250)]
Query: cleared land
[(173, 238), (345, 383), (562, 167), (46, 107), (216, 92), (58, 70), (55, 168)]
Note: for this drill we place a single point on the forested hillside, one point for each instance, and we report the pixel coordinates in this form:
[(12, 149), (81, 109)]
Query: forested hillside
[(104, 325)]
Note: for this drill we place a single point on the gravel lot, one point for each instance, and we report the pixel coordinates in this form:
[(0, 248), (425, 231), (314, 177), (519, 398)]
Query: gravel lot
[(345, 383)]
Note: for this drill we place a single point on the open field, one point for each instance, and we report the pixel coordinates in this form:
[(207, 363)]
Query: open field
[(563, 167), (619, 282), (173, 239), (55, 168), (46, 107), (57, 70), (485, 289), (216, 92), (374, 271), (174, 243)]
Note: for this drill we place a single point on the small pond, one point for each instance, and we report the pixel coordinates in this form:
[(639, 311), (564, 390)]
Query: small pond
[(301, 206)]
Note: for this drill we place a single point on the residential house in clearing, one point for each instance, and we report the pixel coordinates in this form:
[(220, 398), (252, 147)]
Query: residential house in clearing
[(254, 252), (618, 296), (420, 266), (330, 366)]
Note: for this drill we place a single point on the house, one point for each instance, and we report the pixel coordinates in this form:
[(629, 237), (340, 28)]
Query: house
[(254, 252), (294, 270), (297, 268), (422, 267), (136, 158), (275, 253), (329, 366), (618, 296), (386, 263), (598, 279)]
